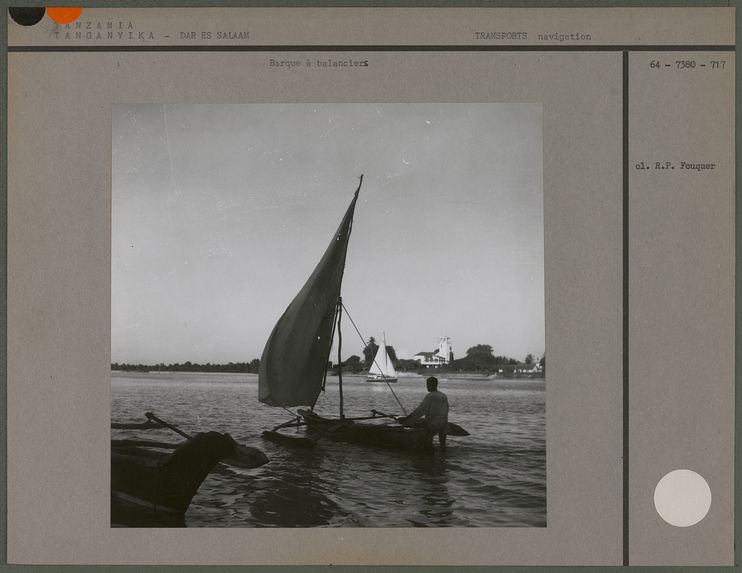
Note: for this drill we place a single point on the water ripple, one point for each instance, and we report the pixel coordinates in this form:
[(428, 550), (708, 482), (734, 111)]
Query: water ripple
[(494, 478)]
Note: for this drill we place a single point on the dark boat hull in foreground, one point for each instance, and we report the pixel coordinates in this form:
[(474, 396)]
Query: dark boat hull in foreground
[(160, 484)]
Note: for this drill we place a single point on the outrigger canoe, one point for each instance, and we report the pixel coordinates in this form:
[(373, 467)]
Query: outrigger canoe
[(294, 363)]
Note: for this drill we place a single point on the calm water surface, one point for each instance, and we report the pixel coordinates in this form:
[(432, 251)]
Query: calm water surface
[(494, 478)]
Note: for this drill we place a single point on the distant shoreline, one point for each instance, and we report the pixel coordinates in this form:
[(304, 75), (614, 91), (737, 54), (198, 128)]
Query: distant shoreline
[(354, 375)]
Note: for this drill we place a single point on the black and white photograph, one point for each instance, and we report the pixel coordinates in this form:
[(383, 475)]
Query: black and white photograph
[(328, 315)]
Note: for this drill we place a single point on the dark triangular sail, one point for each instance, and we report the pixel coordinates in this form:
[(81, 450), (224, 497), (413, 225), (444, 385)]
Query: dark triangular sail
[(295, 357)]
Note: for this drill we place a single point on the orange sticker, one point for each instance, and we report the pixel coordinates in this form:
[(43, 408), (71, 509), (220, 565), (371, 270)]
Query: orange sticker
[(64, 15)]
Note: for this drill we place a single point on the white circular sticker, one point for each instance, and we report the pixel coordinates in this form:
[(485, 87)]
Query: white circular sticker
[(682, 498)]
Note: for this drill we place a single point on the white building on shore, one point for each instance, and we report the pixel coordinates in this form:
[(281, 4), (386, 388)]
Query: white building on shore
[(440, 356)]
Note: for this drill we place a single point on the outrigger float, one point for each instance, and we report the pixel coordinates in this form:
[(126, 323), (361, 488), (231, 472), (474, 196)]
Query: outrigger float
[(293, 366)]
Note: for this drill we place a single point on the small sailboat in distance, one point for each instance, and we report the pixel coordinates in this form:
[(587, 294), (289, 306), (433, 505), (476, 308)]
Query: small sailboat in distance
[(382, 368)]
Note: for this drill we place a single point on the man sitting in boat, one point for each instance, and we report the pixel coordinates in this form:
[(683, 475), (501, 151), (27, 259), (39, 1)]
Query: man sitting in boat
[(434, 409)]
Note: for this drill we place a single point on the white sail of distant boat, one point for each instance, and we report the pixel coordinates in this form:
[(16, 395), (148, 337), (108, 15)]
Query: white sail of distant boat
[(382, 369)]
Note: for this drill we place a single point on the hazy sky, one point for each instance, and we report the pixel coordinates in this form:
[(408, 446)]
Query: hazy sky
[(220, 213)]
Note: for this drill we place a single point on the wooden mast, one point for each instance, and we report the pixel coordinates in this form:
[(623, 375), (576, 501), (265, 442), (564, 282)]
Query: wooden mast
[(340, 314), (340, 362)]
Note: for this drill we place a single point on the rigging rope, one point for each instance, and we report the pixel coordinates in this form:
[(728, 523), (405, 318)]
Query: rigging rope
[(374, 358)]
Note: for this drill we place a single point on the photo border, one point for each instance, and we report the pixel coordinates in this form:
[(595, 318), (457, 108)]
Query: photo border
[(443, 3)]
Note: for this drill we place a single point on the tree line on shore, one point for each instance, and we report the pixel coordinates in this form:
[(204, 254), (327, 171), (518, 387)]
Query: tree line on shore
[(232, 367), (480, 359)]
